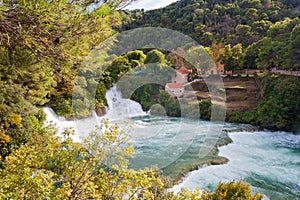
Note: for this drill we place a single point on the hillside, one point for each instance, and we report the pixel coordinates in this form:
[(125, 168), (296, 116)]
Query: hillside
[(230, 21)]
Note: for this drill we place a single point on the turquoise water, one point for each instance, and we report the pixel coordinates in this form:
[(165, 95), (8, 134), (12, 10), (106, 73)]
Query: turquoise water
[(163, 141), (268, 161)]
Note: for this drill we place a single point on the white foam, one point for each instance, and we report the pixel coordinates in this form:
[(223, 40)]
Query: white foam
[(252, 156)]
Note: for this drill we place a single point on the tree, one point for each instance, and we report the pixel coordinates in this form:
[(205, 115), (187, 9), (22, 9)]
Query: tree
[(215, 51), (234, 190), (42, 46), (270, 54), (251, 54), (294, 49), (243, 35), (232, 58), (136, 58), (206, 38), (280, 107), (200, 57), (176, 58), (155, 56), (51, 167)]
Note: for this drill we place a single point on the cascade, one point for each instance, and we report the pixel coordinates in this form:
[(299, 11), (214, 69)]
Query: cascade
[(120, 108)]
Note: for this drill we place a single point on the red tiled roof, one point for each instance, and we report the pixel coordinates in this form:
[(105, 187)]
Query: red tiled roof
[(174, 85), (183, 71)]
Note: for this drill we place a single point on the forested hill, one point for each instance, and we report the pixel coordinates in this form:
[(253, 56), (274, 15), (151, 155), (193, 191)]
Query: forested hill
[(230, 21)]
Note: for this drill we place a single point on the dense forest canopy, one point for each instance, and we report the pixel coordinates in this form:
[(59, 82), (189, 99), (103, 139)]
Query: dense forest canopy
[(225, 20), (251, 23)]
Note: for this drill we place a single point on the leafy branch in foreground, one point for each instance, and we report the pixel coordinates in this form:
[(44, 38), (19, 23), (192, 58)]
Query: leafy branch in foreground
[(52, 167)]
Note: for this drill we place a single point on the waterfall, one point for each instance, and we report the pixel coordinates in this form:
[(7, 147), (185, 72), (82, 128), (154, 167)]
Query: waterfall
[(60, 123), (119, 108)]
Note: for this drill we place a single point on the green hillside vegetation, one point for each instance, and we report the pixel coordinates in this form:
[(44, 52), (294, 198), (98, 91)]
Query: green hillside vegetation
[(279, 108), (233, 22)]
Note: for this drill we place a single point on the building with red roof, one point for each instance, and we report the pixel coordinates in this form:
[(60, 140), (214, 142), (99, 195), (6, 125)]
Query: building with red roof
[(175, 89), (181, 76)]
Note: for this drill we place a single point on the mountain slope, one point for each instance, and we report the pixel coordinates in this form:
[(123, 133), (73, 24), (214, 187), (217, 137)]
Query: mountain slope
[(232, 21)]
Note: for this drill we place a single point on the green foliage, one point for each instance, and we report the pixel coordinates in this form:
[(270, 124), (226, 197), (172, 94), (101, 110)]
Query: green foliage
[(137, 56), (234, 191), (181, 108), (205, 109), (232, 57), (267, 23), (42, 45), (251, 54), (155, 56), (224, 191), (279, 110), (170, 104), (294, 49), (117, 69), (231, 22), (146, 95), (249, 117), (200, 57), (51, 167), (280, 47), (18, 117), (243, 34)]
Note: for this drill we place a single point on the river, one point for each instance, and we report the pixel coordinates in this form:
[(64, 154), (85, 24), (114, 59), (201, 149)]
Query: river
[(268, 161)]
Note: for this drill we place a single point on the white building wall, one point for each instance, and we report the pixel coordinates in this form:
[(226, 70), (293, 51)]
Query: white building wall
[(177, 92), (180, 78)]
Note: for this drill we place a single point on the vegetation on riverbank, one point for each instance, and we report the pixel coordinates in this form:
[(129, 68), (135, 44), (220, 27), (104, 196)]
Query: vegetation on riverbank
[(269, 101), (279, 106)]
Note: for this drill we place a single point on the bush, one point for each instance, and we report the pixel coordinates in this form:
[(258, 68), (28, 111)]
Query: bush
[(234, 191)]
